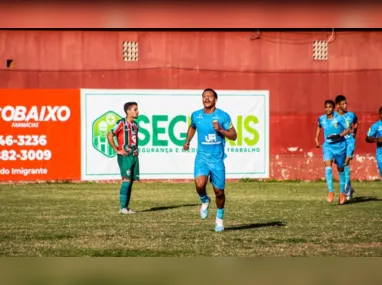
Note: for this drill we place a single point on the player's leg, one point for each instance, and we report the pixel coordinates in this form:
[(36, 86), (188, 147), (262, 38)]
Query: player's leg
[(201, 173), (379, 160), (218, 184), (350, 146), (339, 152), (134, 176), (129, 191), (328, 160), (125, 166)]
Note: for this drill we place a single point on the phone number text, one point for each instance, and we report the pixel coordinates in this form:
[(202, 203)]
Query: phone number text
[(23, 140), (25, 154)]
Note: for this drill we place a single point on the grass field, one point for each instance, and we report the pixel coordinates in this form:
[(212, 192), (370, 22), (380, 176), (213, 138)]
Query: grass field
[(261, 219)]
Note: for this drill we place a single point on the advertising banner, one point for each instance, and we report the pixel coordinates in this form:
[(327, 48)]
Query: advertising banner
[(163, 121), (40, 134)]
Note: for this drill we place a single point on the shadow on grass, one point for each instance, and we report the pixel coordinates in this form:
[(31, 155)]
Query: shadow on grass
[(254, 226), (362, 199), (162, 208)]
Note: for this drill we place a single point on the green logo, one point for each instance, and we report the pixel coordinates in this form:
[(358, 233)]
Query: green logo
[(100, 128)]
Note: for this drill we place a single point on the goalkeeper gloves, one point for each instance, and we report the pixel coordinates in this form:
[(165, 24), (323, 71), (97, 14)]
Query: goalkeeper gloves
[(334, 137)]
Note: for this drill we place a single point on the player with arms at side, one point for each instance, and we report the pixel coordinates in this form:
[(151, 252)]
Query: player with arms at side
[(351, 121), (334, 147), (213, 126), (126, 131), (374, 135)]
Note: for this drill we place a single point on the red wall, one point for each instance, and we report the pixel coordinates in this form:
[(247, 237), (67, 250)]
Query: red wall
[(278, 61)]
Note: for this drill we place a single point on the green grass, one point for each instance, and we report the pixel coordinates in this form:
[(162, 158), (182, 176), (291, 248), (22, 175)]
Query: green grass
[(261, 219)]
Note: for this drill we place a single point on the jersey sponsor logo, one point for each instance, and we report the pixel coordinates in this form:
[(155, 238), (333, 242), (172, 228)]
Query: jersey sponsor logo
[(211, 139)]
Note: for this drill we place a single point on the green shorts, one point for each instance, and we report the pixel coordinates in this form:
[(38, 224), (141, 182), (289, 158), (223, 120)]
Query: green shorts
[(129, 167)]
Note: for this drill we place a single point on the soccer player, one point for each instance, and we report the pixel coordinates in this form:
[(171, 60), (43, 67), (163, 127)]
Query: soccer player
[(374, 135), (126, 131), (351, 121), (334, 147), (212, 125)]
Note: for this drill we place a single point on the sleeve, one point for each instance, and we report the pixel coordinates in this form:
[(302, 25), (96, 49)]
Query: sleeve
[(193, 124), (372, 131), (136, 151), (355, 120), (117, 128), (319, 123), (137, 126), (227, 123)]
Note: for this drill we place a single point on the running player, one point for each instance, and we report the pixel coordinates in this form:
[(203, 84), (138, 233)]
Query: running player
[(334, 147), (212, 125), (351, 121), (374, 135)]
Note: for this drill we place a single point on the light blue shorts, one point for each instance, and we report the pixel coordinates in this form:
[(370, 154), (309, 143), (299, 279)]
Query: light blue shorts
[(350, 147), (336, 151), (215, 170)]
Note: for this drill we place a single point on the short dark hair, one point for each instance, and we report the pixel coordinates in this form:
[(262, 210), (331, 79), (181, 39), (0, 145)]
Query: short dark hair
[(128, 105), (330, 102), (380, 110), (340, 98), (211, 90)]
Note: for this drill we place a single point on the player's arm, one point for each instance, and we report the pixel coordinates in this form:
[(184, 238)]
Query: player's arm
[(355, 129), (190, 133), (344, 133), (370, 137), (227, 130), (136, 151), (318, 132), (355, 125), (230, 134), (110, 138)]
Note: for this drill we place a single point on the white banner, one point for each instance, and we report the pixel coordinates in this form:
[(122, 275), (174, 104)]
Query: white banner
[(163, 120)]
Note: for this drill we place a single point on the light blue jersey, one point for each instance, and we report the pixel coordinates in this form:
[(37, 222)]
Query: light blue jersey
[(376, 131), (333, 126), (209, 160), (211, 144), (333, 149), (350, 119)]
